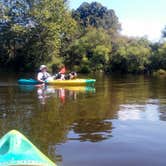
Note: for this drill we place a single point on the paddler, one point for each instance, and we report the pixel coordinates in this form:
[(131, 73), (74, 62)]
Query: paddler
[(43, 75)]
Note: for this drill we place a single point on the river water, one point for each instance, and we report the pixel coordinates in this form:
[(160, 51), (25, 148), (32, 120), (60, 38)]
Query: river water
[(120, 121)]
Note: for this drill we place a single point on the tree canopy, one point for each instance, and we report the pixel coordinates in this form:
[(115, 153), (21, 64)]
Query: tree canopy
[(96, 15), (32, 32), (35, 32)]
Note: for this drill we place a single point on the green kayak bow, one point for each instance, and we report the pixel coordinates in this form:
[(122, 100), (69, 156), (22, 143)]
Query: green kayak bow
[(16, 149)]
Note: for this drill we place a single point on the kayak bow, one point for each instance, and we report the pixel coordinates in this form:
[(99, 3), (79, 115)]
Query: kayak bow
[(28, 81), (16, 149)]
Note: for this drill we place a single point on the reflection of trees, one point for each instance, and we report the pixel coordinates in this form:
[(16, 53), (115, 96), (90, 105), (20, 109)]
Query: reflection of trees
[(163, 113), (86, 113), (44, 125), (93, 130)]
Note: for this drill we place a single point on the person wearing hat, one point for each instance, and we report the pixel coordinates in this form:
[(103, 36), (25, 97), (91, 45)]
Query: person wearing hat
[(43, 74)]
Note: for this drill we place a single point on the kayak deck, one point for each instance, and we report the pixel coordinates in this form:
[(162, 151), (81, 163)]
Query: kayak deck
[(17, 150)]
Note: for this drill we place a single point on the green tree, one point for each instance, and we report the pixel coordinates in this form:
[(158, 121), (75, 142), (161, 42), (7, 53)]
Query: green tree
[(91, 51), (34, 32), (97, 16), (158, 59), (14, 17), (131, 55), (52, 22)]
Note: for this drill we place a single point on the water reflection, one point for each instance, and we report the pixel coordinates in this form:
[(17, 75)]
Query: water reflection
[(44, 92), (62, 93), (148, 111), (91, 130), (72, 124)]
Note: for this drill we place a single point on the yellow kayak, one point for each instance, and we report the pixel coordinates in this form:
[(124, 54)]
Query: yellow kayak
[(74, 82)]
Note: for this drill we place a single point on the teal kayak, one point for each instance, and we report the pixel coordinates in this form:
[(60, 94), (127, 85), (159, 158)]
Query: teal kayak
[(16, 149), (28, 81)]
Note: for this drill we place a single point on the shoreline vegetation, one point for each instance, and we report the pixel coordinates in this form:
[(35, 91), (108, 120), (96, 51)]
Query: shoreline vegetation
[(86, 40), (159, 72)]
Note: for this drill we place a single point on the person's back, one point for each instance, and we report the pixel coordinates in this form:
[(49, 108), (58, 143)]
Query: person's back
[(62, 70), (61, 74)]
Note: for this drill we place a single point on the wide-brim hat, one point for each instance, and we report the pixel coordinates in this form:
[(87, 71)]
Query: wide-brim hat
[(43, 67)]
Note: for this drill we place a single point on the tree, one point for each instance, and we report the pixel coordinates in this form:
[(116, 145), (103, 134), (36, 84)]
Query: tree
[(97, 16), (52, 22), (164, 33), (131, 56), (91, 51), (14, 18), (33, 31)]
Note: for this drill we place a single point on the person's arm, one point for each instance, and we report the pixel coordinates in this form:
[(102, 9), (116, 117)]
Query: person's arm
[(49, 75)]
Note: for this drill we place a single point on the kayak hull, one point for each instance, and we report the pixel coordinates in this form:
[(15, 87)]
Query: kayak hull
[(16, 149), (75, 82), (28, 82)]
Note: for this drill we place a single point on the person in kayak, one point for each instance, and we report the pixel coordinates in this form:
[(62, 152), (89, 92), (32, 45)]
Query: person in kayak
[(72, 75), (43, 75), (62, 70), (61, 74)]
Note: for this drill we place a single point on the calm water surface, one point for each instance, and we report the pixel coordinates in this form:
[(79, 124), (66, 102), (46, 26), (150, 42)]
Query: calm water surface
[(122, 121)]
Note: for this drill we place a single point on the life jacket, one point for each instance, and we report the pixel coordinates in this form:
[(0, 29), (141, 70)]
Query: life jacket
[(45, 76), (62, 71)]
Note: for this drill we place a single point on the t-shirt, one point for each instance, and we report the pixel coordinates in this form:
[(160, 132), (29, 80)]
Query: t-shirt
[(43, 76)]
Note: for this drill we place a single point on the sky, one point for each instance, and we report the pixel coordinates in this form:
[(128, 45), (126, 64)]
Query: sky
[(138, 18)]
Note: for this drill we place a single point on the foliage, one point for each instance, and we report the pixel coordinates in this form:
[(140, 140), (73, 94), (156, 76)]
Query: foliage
[(34, 32), (160, 72), (158, 58), (97, 16), (131, 55), (14, 17), (93, 50)]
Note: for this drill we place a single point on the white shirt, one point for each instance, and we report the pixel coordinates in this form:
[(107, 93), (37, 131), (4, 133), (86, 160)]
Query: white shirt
[(42, 76)]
